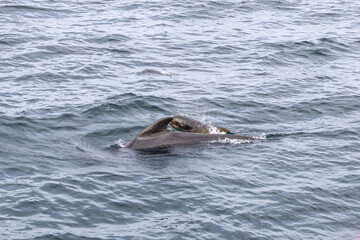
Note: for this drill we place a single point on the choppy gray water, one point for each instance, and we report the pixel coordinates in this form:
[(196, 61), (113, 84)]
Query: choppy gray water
[(74, 90)]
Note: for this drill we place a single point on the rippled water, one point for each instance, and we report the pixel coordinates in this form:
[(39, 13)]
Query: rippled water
[(75, 87)]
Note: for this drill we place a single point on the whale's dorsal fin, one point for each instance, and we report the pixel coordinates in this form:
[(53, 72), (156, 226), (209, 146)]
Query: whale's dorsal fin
[(158, 126)]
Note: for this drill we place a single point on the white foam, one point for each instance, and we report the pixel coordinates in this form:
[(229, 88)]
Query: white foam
[(120, 143), (166, 73), (230, 141), (215, 130), (262, 137)]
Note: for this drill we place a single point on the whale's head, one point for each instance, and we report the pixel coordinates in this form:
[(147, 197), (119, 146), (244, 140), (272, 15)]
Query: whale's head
[(183, 124), (186, 124)]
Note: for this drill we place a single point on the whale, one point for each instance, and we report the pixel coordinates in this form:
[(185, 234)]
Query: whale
[(157, 135), (187, 124)]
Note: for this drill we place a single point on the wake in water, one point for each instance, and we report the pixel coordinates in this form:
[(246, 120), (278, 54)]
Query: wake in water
[(236, 141), (230, 141)]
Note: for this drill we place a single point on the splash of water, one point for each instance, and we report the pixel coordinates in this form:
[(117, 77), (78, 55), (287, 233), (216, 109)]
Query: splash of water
[(215, 130), (120, 143), (262, 137)]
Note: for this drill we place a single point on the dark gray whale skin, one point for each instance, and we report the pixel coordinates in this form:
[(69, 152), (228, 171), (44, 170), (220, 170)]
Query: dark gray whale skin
[(156, 136)]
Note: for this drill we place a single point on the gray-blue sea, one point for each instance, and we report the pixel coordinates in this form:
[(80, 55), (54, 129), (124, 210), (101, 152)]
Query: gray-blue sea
[(76, 86)]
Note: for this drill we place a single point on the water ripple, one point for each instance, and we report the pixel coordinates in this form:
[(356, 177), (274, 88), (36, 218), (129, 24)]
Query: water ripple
[(80, 79)]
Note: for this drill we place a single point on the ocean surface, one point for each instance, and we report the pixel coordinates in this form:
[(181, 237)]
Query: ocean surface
[(76, 86)]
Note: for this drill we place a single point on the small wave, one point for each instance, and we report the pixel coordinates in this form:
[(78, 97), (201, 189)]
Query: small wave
[(26, 7), (152, 71), (111, 38), (35, 8)]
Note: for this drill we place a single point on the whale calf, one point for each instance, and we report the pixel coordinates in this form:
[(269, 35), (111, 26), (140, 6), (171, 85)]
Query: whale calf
[(156, 135), (187, 124)]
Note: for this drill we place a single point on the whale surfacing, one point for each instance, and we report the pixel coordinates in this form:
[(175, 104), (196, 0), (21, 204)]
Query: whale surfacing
[(156, 135), (186, 124)]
